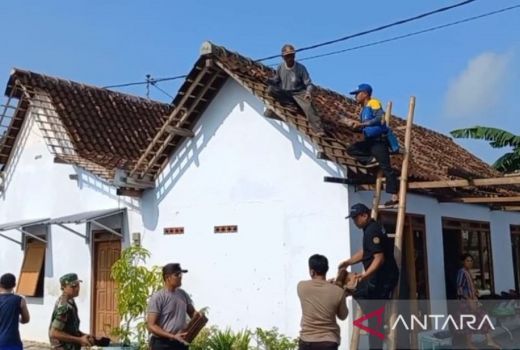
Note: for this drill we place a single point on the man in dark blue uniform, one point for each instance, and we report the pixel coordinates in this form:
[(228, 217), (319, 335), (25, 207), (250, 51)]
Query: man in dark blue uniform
[(376, 283), (375, 143)]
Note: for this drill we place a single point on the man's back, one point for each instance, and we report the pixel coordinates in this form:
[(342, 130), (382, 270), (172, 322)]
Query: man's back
[(10, 310), (321, 303)]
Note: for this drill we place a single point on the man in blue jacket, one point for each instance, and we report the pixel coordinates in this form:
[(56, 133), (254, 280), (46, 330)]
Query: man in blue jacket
[(375, 143)]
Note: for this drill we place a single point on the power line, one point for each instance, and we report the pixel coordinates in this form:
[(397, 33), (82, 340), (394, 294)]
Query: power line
[(161, 90), (403, 21), (443, 9), (145, 82), (395, 38)]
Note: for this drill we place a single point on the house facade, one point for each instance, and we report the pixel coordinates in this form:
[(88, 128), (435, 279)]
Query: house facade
[(239, 200)]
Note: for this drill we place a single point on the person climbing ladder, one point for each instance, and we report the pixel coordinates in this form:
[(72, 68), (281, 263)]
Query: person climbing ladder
[(375, 143)]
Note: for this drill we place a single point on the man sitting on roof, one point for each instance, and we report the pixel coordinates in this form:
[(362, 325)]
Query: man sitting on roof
[(375, 144), (292, 82)]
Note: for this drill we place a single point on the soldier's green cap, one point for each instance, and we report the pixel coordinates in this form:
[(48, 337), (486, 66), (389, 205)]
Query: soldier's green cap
[(69, 278)]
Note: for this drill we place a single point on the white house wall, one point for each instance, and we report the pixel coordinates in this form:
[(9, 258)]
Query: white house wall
[(39, 189), (243, 169)]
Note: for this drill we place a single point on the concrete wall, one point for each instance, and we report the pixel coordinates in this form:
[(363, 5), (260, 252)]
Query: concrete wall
[(243, 169), (41, 189)]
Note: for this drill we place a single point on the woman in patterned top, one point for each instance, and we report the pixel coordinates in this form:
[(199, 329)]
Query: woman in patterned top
[(468, 296)]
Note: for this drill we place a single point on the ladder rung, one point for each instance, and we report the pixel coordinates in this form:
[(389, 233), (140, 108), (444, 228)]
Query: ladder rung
[(382, 206), (369, 165), (390, 235)]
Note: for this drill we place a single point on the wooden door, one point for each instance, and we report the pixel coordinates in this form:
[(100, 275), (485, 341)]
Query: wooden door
[(104, 313)]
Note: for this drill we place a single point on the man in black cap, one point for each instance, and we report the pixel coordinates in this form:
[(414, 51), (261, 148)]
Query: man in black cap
[(376, 283), (64, 333), (167, 310)]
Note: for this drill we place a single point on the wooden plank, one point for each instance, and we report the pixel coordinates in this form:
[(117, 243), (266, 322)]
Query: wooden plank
[(412, 280), (171, 118), (377, 196), (494, 181), (460, 172), (178, 124), (58, 160), (354, 341), (351, 181), (511, 208), (485, 200), (179, 131), (388, 113), (31, 269)]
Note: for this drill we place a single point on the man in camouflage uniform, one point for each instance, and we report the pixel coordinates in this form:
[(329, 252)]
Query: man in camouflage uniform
[(64, 333)]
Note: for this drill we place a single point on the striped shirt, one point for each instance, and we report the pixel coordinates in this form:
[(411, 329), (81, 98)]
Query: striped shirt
[(465, 287)]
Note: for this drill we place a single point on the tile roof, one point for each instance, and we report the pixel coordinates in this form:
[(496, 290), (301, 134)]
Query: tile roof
[(106, 129), (109, 130), (434, 155)]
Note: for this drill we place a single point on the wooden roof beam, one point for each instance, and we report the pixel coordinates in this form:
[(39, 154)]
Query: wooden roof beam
[(494, 181), (187, 112), (511, 208), (179, 131), (486, 200), (129, 192), (171, 119)]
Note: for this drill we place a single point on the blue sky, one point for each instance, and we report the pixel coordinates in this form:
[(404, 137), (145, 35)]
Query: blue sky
[(462, 76)]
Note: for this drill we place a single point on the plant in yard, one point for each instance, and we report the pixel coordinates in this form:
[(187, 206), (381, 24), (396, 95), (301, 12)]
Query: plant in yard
[(201, 342), (135, 283), (497, 138), (242, 340), (227, 340), (273, 340)]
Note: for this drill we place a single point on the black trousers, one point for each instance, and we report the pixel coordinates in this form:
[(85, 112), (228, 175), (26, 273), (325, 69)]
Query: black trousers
[(166, 344), (322, 345), (378, 148), (299, 97)]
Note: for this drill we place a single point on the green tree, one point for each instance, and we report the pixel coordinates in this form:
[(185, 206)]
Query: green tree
[(135, 284), (497, 138)]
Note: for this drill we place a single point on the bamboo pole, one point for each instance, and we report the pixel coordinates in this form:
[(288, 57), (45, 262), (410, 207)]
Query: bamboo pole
[(401, 215), (412, 281)]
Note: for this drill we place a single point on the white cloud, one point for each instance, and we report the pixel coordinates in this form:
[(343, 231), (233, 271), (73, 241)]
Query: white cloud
[(477, 90)]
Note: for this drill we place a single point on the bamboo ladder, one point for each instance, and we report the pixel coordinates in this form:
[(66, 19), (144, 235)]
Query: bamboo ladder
[(401, 216)]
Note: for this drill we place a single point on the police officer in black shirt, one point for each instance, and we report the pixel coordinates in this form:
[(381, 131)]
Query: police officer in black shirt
[(376, 283)]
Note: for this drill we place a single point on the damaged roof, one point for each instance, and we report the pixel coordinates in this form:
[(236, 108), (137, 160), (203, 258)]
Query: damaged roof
[(110, 130)]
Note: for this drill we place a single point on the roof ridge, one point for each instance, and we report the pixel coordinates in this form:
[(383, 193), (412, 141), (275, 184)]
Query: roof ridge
[(17, 71)]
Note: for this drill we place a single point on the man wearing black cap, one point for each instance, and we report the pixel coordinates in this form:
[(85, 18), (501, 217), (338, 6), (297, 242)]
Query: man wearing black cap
[(167, 310), (64, 333), (292, 82), (375, 143), (376, 283)]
